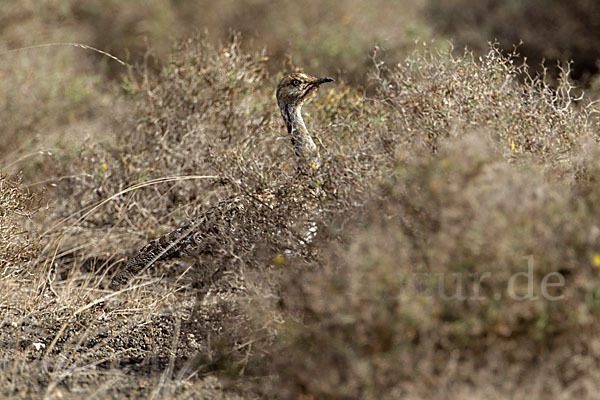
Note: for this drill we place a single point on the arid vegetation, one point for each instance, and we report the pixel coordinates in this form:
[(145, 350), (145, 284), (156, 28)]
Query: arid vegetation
[(547, 30), (445, 174)]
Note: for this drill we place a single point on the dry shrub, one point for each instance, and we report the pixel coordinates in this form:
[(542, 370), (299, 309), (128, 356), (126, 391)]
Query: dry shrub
[(188, 117), (390, 310), (549, 30), (16, 206), (439, 95)]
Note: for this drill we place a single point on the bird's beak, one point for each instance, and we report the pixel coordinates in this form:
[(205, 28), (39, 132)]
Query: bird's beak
[(323, 80), (313, 86)]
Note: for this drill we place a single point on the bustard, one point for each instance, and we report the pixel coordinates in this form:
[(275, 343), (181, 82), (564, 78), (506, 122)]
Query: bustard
[(199, 234), (292, 92)]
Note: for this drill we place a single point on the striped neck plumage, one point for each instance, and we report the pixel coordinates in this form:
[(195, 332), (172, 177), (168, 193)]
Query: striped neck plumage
[(303, 144), (292, 92)]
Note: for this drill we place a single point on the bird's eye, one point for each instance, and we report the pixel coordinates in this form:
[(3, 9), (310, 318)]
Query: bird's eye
[(296, 82)]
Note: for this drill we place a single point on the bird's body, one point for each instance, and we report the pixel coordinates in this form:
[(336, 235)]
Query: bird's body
[(201, 235)]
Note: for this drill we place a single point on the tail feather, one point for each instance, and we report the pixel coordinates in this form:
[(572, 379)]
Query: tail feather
[(191, 238), (173, 244)]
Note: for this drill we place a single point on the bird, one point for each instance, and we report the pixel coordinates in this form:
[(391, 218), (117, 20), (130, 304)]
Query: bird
[(292, 92), (201, 234)]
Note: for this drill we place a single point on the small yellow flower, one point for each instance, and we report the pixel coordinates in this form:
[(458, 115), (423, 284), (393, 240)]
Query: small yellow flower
[(279, 259), (512, 146), (104, 166), (313, 165), (596, 260)]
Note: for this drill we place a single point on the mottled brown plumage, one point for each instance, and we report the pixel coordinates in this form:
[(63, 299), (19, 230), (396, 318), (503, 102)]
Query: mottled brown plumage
[(202, 234), (292, 92)]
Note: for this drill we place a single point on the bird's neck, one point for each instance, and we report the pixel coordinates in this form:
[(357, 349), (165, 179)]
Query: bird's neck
[(304, 146)]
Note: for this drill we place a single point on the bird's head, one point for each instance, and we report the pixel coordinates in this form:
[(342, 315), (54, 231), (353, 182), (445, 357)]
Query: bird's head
[(294, 89)]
